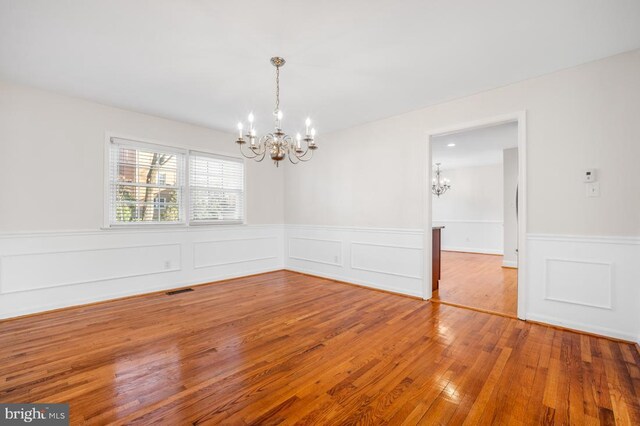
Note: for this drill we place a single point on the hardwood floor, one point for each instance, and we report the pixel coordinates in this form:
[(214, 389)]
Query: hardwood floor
[(288, 348), (478, 281)]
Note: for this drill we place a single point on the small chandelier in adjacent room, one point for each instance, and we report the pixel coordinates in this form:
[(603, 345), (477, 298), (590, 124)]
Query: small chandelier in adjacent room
[(278, 143), (439, 185)]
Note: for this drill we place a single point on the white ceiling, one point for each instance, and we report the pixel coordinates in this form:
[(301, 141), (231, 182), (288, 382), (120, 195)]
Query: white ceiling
[(348, 61), (478, 147)]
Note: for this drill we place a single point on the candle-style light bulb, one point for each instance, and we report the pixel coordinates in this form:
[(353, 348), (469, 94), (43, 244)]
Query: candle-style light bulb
[(240, 130), (313, 133), (298, 138), (251, 119), (307, 123), (279, 115)]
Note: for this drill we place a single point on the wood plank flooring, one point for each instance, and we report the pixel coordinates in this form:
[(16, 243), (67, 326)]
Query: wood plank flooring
[(478, 281), (285, 348)]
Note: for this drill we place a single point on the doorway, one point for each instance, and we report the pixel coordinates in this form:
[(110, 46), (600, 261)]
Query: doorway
[(475, 215)]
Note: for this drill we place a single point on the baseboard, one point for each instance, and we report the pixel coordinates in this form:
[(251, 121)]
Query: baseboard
[(510, 264), (395, 293), (581, 328), (80, 305), (473, 250), (347, 280)]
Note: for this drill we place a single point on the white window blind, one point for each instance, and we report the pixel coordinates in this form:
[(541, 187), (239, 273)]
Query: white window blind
[(146, 183), (216, 189)]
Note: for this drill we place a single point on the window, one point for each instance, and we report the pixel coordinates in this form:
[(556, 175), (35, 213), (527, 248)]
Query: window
[(216, 189), (148, 185)]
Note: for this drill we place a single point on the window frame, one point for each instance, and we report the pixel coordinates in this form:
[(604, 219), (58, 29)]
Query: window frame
[(185, 208)]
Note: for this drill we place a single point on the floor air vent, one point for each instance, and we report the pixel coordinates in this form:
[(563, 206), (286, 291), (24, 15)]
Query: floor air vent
[(182, 290)]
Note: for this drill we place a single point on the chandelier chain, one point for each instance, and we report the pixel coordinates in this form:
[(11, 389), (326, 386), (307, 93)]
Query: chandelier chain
[(277, 89)]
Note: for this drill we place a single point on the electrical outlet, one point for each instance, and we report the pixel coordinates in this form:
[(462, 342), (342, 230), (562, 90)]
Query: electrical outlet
[(167, 264), (336, 259), (593, 189)]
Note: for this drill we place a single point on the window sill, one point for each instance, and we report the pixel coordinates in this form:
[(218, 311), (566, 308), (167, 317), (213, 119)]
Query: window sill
[(217, 223), (169, 226)]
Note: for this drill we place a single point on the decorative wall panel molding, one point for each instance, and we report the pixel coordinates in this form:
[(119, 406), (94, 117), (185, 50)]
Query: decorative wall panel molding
[(317, 250), (587, 283), (24, 272), (387, 259), (581, 282), (207, 254)]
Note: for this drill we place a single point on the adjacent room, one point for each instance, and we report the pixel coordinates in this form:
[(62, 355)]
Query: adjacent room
[(475, 217), (332, 213)]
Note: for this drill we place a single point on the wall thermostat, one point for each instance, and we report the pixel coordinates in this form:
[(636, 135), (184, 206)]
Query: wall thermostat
[(590, 175)]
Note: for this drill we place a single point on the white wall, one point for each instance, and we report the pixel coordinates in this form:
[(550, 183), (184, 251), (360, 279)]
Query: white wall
[(471, 211), (510, 229), (582, 117), (49, 140), (51, 169)]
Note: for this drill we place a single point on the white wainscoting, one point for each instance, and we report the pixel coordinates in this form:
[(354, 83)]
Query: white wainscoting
[(472, 236), (386, 259), (584, 283), (44, 271), (316, 250)]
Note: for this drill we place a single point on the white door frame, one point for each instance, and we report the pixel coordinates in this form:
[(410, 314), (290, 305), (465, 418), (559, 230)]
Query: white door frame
[(520, 118)]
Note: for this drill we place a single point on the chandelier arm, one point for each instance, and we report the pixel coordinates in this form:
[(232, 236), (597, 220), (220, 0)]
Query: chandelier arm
[(254, 152), (262, 144), (298, 155), (290, 157), (263, 151), (306, 151), (301, 157), (247, 156)]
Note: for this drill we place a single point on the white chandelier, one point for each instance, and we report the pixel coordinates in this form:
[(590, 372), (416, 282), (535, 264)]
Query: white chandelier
[(439, 185), (278, 144)]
